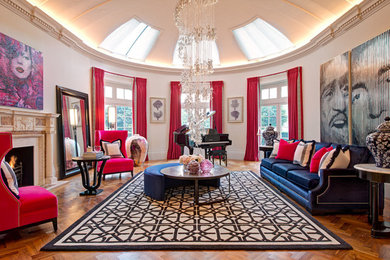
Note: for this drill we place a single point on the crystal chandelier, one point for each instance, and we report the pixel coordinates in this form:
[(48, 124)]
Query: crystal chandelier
[(195, 21)]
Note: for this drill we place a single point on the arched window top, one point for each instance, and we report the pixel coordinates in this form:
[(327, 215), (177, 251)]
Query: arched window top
[(260, 39), (133, 39)]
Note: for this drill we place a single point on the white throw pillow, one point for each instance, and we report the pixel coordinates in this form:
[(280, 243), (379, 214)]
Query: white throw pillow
[(9, 178), (303, 153), (275, 150), (337, 158), (112, 149)]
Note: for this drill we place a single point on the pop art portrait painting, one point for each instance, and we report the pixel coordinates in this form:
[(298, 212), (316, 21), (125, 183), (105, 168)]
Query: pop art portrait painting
[(21, 75)]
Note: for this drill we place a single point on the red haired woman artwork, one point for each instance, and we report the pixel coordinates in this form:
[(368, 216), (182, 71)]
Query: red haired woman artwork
[(21, 75)]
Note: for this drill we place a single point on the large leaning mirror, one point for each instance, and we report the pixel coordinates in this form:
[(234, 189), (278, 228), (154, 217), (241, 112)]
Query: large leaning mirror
[(73, 128)]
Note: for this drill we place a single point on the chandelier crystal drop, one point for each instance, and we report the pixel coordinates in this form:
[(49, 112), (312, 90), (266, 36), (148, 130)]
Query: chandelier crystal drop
[(195, 21)]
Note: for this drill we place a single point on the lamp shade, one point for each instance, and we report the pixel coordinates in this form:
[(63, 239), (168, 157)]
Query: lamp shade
[(73, 117), (111, 115)]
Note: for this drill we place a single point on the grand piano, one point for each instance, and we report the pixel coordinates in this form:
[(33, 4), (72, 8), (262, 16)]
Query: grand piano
[(209, 141)]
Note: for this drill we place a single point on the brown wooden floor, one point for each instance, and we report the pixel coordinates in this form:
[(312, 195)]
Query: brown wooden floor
[(26, 243)]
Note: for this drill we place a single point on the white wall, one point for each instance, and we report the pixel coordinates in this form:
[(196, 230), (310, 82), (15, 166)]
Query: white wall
[(66, 67)]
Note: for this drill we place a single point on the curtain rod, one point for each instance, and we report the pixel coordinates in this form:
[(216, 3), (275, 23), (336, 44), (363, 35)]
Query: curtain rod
[(117, 74), (273, 74)]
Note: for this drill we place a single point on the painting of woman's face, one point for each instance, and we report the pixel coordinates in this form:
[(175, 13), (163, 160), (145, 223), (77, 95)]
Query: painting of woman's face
[(21, 65)]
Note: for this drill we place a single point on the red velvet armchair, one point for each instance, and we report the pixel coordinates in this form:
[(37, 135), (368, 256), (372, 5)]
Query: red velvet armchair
[(36, 205), (115, 165)]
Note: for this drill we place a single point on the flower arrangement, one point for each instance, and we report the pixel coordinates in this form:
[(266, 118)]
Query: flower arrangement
[(186, 159)]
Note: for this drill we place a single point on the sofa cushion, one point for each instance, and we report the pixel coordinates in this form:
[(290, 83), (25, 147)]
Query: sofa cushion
[(303, 178), (359, 154), (268, 162), (321, 145), (281, 169), (303, 153), (337, 158), (315, 161), (286, 150)]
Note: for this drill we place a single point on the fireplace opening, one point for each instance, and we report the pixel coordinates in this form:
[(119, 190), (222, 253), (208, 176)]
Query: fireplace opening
[(21, 160)]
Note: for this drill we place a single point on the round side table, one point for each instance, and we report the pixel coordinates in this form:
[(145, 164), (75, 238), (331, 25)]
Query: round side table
[(97, 175), (376, 175)]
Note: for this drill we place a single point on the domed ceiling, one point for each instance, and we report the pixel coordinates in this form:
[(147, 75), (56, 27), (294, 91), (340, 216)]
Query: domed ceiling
[(93, 20)]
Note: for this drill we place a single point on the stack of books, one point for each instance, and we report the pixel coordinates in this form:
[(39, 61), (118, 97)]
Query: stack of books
[(93, 155)]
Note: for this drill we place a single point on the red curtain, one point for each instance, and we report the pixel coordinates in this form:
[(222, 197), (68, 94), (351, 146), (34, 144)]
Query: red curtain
[(295, 107), (83, 124), (216, 105), (174, 150), (65, 117), (139, 108), (251, 152), (98, 87)]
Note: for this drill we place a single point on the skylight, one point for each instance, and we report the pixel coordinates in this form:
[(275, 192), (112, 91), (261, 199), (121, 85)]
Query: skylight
[(132, 39), (177, 61), (259, 39)]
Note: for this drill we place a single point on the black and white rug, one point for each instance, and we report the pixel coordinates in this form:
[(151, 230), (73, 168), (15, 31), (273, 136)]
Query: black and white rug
[(255, 217)]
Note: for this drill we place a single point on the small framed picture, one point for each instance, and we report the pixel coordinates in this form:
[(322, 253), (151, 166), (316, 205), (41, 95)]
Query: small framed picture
[(235, 109), (157, 110)]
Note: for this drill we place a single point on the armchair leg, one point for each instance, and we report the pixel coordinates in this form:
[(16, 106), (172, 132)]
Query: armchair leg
[(132, 174), (104, 177), (55, 225), (120, 175)]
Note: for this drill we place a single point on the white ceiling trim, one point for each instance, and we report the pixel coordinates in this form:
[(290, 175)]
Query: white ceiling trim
[(40, 19)]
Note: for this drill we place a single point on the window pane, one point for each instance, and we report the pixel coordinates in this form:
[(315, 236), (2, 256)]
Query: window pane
[(120, 93), (128, 94), (273, 93), (106, 124), (265, 94), (107, 92), (284, 91)]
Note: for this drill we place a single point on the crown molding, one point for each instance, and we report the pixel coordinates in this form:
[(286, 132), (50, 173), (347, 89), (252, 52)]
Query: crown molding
[(37, 17)]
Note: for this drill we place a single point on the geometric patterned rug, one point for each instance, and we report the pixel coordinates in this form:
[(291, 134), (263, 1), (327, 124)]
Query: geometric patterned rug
[(254, 217)]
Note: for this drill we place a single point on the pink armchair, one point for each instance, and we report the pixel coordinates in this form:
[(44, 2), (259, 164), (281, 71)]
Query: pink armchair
[(36, 205), (115, 165)]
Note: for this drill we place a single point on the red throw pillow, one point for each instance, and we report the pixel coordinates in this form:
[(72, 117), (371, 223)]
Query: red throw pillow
[(286, 150), (315, 160)]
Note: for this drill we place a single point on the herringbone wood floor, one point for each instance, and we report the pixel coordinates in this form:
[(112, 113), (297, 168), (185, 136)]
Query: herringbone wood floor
[(26, 243)]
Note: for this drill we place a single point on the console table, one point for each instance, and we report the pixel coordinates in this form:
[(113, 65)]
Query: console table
[(376, 175), (97, 175)]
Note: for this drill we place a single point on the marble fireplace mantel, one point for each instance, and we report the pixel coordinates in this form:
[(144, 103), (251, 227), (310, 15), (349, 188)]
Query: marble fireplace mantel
[(37, 129)]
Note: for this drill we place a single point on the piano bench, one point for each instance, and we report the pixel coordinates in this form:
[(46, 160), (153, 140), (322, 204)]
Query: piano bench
[(221, 154)]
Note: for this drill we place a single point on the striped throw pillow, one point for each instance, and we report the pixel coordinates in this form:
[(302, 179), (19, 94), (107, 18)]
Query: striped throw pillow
[(112, 149), (9, 178), (275, 149), (303, 153), (337, 158)]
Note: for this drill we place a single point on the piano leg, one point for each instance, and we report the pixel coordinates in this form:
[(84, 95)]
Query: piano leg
[(191, 150)]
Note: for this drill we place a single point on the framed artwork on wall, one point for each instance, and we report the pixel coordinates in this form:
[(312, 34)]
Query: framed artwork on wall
[(355, 92), (157, 110), (235, 109), (370, 86), (334, 100), (21, 74)]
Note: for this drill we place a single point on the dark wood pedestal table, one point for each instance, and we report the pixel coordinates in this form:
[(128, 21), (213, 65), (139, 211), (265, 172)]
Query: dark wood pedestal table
[(376, 175), (97, 175), (178, 172), (265, 149)]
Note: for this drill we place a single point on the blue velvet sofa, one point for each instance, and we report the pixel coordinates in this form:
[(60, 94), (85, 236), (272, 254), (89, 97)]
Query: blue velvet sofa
[(337, 190), (155, 183)]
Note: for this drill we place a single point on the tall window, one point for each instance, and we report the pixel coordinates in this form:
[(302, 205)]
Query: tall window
[(274, 107), (184, 116), (119, 96)]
